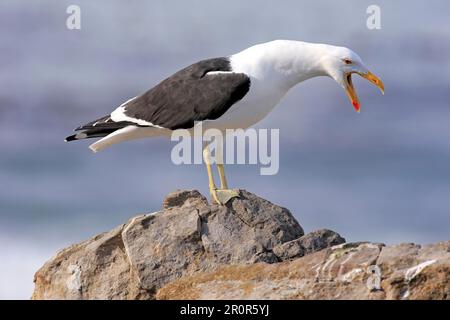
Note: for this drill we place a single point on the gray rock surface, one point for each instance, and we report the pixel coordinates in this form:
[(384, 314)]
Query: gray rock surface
[(187, 236), (309, 243)]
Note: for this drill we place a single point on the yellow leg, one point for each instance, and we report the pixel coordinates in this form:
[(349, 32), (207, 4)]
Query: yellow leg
[(212, 186), (220, 169), (223, 179), (223, 195)]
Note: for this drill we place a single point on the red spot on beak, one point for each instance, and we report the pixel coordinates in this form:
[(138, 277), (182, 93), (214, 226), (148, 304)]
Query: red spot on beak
[(356, 105)]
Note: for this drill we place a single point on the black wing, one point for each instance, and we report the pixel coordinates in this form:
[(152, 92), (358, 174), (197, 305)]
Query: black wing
[(177, 102), (191, 95)]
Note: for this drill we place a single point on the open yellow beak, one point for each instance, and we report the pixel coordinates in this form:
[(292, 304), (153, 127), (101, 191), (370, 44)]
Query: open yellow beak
[(351, 90)]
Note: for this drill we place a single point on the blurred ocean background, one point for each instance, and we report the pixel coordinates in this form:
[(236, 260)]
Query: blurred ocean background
[(382, 175)]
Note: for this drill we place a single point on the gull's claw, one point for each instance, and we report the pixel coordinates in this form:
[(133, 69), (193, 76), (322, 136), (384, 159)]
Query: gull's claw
[(222, 196)]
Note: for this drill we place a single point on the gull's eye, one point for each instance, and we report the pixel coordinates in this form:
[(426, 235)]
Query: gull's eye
[(347, 61)]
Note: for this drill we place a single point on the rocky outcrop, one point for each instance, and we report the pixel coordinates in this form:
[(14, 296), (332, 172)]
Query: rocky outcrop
[(249, 248), (348, 271), (188, 236)]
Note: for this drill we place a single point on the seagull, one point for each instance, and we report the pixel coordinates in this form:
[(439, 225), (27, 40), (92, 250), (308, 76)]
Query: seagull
[(232, 92)]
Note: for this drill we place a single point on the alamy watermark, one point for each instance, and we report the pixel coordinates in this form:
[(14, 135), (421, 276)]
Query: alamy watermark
[(73, 21), (231, 146), (374, 280), (373, 21)]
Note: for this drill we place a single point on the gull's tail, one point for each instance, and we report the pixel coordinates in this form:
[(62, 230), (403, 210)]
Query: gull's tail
[(112, 132)]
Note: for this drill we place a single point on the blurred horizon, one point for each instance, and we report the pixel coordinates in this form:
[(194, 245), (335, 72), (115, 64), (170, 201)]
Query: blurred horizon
[(382, 175)]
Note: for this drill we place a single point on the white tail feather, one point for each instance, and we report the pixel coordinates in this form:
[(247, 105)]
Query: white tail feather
[(127, 133)]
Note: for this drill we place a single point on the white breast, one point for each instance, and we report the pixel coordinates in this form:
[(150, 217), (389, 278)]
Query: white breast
[(267, 88), (256, 105)]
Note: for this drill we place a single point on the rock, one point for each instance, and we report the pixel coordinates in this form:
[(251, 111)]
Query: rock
[(95, 269), (346, 271), (416, 272), (188, 236), (248, 249), (184, 198), (309, 243)]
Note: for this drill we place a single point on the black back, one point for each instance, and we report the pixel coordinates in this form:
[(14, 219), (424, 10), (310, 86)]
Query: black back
[(191, 95)]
